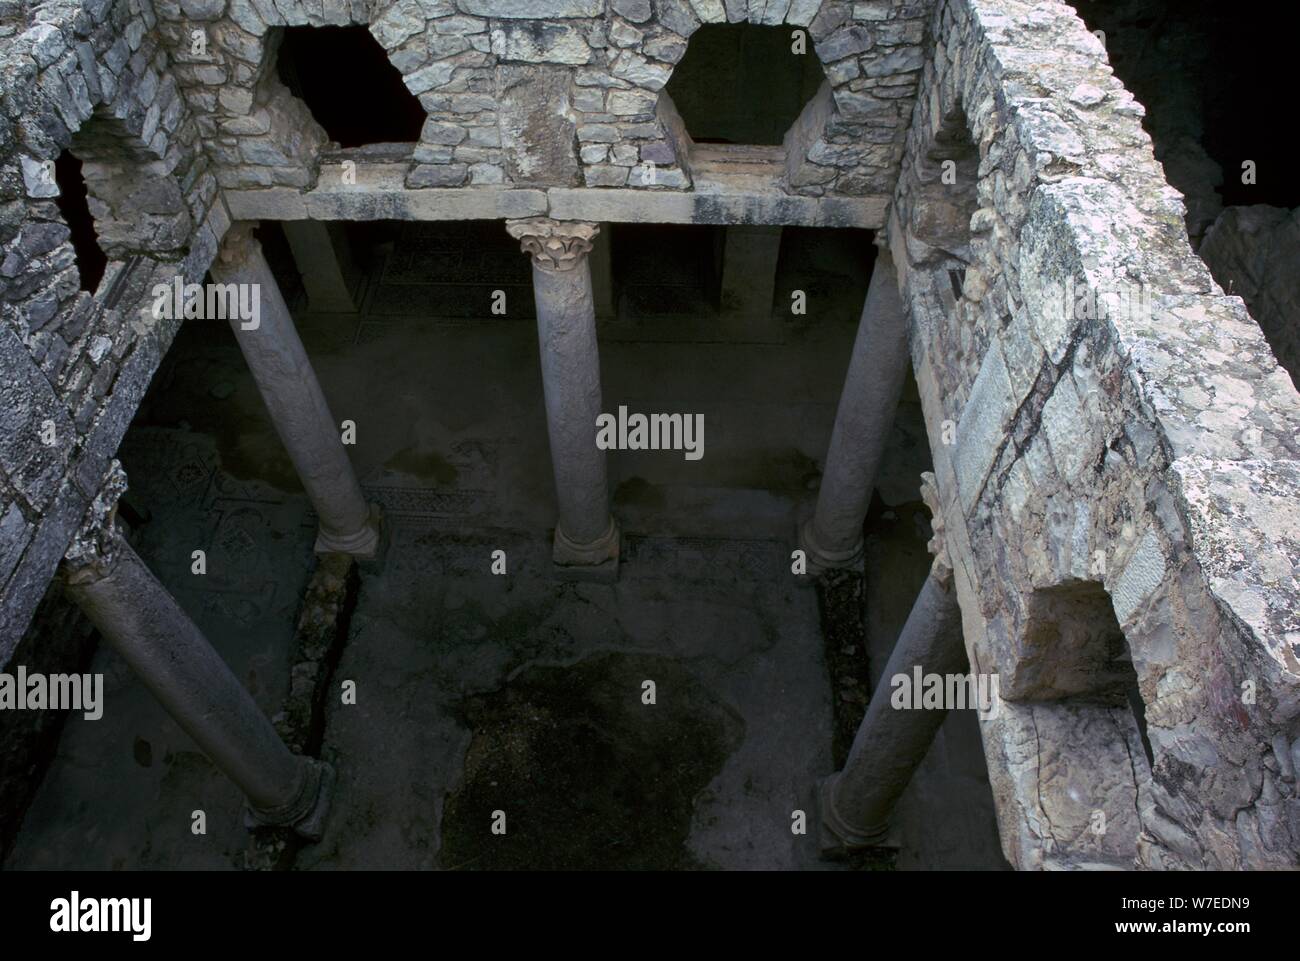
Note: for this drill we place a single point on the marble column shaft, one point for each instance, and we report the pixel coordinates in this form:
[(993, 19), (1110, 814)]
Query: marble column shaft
[(586, 533), (296, 403), (832, 537), (891, 742), (141, 620)]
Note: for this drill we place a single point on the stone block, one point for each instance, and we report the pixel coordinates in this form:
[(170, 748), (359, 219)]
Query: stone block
[(539, 41), (605, 175), (982, 429), (533, 9), (1142, 574), (537, 134), (848, 41), (399, 23), (443, 175), (638, 11)]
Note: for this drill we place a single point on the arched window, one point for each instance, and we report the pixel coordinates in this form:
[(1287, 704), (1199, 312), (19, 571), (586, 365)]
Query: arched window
[(118, 199), (740, 83), (348, 83)]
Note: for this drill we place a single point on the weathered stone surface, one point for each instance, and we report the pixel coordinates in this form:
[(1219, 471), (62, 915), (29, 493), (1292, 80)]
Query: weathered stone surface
[(845, 42), (443, 175), (638, 11), (1254, 253), (537, 131), (533, 9), (401, 21), (540, 42)]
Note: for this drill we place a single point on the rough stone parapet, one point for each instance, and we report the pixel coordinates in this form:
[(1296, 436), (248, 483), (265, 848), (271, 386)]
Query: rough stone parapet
[(1098, 461), (94, 78)]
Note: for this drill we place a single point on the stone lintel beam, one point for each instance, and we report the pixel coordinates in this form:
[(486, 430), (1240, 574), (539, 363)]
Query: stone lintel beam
[(141, 620), (380, 193)]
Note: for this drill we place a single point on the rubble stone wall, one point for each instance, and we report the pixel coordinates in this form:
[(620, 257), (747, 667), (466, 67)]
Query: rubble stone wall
[(1117, 483), (548, 92), (74, 366)]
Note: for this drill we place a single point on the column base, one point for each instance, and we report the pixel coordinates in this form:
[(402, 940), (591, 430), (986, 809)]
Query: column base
[(836, 837), (821, 559), (307, 813), (594, 561), (364, 544)]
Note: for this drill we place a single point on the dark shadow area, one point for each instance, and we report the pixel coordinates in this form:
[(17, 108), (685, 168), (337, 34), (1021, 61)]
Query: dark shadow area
[(578, 773), (345, 78), (742, 83), (832, 266), (666, 269), (75, 208), (1204, 70)]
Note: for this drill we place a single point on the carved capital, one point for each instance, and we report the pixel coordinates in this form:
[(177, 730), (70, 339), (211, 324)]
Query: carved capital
[(94, 547), (554, 244), (941, 569), (238, 245)]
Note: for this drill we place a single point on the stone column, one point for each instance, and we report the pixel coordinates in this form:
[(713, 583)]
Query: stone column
[(749, 260), (140, 619), (856, 803), (323, 257), (586, 535), (297, 406), (832, 537)]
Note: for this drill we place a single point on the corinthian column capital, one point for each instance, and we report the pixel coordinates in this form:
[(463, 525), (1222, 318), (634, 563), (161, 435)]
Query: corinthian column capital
[(554, 244), (94, 547), (941, 569), (238, 245)]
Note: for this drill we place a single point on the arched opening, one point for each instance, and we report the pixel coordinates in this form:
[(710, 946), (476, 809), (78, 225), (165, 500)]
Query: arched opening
[(948, 175), (74, 206), (119, 199), (365, 102), (740, 83), (1075, 666)]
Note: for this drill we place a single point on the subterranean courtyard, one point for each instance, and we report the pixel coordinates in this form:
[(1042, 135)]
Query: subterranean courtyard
[(476, 435)]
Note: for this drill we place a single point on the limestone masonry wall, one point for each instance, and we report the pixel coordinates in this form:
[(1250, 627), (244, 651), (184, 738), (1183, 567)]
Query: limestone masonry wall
[(1130, 469), (548, 92), (74, 366)]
